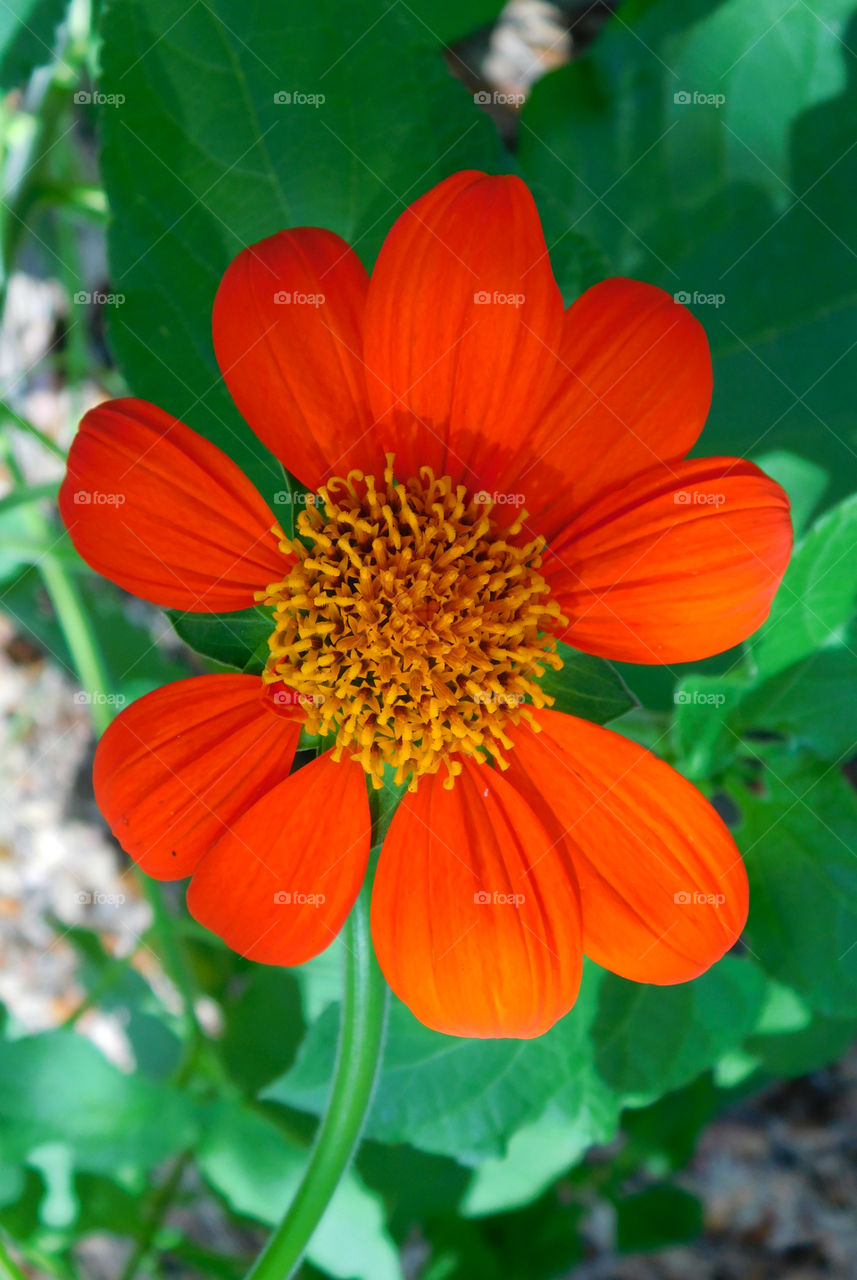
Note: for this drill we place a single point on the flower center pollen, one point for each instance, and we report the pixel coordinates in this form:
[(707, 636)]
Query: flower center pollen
[(412, 626)]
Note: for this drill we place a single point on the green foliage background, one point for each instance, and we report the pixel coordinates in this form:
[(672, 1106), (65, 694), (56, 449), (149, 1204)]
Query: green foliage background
[(751, 199)]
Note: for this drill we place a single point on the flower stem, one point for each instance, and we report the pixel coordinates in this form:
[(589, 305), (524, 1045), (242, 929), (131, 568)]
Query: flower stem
[(361, 1040), (9, 1269)]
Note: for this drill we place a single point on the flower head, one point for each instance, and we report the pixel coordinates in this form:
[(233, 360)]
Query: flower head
[(487, 474)]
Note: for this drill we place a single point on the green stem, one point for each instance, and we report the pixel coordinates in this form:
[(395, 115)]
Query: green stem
[(9, 1269), (360, 1042), (32, 430), (161, 1203)]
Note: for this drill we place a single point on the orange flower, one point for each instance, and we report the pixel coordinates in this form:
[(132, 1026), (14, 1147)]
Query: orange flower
[(492, 473)]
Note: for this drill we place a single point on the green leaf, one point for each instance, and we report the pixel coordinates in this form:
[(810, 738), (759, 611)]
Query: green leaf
[(818, 596), (813, 702), (798, 835), (200, 160), (258, 1168), (58, 1088), (587, 687), (27, 38), (656, 1218), (238, 639), (803, 481), (463, 1098), (538, 1154), (745, 206), (263, 1028), (650, 1040)]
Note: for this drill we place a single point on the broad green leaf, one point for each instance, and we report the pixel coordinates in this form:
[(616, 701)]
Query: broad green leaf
[(718, 201), (803, 481), (813, 702), (791, 1040), (58, 1088), (28, 31), (201, 159), (798, 835), (263, 1027), (451, 1096), (656, 1218), (538, 1154), (706, 711), (258, 1168), (650, 1040), (587, 687), (238, 639), (818, 596)]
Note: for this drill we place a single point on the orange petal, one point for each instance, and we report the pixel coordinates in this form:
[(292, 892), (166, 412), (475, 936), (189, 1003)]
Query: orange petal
[(462, 322), (162, 512), (279, 885), (475, 912), (662, 886), (287, 327), (681, 563), (634, 388), (178, 766)]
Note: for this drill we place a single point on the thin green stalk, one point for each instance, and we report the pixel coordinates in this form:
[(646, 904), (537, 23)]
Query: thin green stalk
[(9, 1269), (31, 430), (361, 1040), (162, 1202)]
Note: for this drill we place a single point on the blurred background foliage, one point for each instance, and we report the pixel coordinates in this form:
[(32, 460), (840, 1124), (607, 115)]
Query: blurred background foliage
[(707, 146)]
